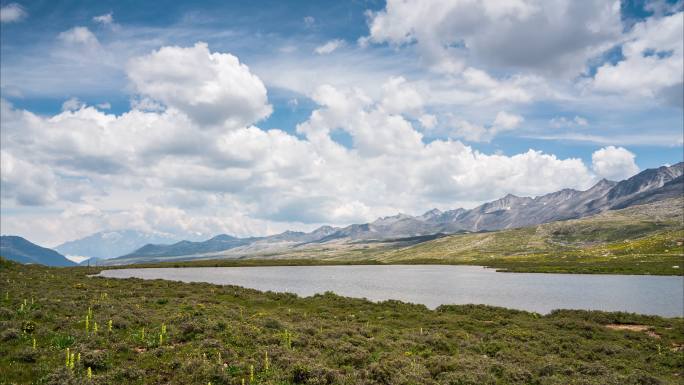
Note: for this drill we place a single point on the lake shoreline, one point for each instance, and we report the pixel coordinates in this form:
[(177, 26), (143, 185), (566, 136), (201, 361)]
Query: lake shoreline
[(507, 267), (342, 339), (433, 286)]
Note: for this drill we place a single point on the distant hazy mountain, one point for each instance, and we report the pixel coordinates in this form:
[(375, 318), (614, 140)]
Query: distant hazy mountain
[(217, 243), (508, 212), (91, 262), (20, 250), (225, 242), (110, 244)]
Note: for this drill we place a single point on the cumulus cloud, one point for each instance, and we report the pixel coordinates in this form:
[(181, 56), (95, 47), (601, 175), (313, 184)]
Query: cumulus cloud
[(28, 184), (400, 97), (653, 62), (449, 34), (486, 89), (213, 89), (12, 13), (145, 164), (329, 47), (614, 163), (374, 131), (272, 176), (503, 121)]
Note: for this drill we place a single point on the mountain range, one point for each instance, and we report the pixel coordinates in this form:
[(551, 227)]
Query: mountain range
[(109, 244), (400, 230), (20, 250), (508, 212)]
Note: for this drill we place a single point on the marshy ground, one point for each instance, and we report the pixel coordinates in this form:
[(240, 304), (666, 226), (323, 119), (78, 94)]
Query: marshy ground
[(161, 332)]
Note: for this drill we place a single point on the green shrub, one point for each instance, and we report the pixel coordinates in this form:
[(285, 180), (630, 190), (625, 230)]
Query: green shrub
[(28, 327), (97, 360), (62, 341)]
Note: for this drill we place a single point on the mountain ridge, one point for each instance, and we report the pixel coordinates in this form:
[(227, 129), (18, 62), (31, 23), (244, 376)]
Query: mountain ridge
[(510, 211), (21, 250), (113, 243)]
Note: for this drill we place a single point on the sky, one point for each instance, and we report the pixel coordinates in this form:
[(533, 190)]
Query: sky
[(250, 118)]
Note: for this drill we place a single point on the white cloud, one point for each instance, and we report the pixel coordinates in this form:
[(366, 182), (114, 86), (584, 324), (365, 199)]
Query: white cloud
[(146, 104), (449, 34), (329, 46), (373, 130), (503, 121), (106, 19), (655, 138), (369, 69), (614, 163), (514, 89), (28, 184), (79, 36), (138, 169), (72, 104), (264, 179), (653, 62), (428, 121), (211, 88), (12, 13), (663, 7), (400, 97), (564, 122)]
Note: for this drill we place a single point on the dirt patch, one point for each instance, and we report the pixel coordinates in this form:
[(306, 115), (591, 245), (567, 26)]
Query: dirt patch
[(634, 328)]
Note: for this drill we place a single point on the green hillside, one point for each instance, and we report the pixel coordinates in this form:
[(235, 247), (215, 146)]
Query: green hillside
[(645, 239)]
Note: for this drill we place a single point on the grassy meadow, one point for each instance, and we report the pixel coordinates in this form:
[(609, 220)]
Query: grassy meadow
[(60, 326)]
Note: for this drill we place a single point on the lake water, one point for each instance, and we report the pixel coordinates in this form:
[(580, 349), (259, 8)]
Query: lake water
[(434, 285)]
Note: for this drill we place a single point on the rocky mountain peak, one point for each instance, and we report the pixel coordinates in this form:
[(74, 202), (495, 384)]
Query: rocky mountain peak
[(223, 238), (430, 214)]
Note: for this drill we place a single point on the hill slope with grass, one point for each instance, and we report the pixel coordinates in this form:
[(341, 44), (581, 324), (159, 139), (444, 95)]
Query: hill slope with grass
[(643, 239), (640, 239), (21, 250)]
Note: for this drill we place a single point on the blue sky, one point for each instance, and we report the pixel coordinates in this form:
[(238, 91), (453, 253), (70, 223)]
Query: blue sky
[(465, 101)]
